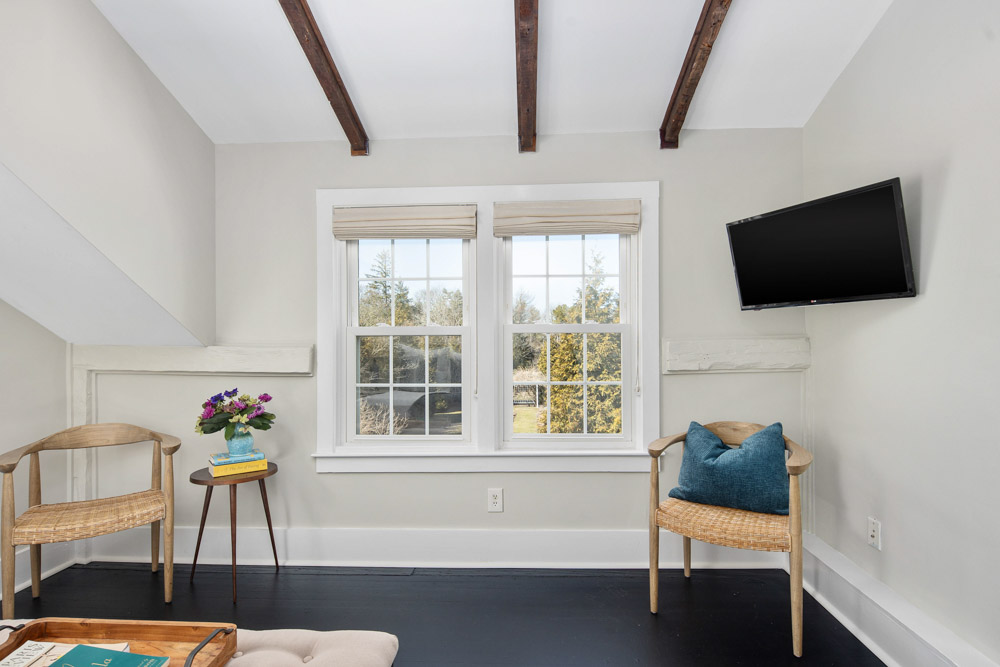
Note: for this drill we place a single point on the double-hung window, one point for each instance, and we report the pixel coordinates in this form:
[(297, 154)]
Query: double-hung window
[(408, 323), (488, 328)]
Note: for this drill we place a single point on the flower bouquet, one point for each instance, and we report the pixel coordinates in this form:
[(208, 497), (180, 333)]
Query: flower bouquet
[(226, 411)]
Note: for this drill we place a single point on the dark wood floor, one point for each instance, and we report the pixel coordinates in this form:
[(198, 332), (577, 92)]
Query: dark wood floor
[(508, 618)]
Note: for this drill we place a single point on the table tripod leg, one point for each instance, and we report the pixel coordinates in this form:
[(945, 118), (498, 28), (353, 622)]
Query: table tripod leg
[(267, 513), (201, 528), (232, 530)]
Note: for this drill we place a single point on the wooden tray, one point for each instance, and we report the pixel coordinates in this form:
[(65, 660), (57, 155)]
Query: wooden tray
[(166, 638)]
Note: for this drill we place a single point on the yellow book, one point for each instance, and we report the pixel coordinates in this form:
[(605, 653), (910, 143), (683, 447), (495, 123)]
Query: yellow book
[(237, 468)]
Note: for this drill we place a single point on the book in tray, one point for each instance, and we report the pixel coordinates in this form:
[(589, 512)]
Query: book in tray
[(44, 654), (238, 468), (225, 458), (87, 656)]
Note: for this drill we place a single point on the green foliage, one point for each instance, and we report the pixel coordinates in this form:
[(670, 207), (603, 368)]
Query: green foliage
[(603, 361), (445, 307), (216, 423), (527, 347)]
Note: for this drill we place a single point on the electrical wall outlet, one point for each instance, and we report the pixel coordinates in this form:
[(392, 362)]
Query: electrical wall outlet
[(494, 500), (874, 533)]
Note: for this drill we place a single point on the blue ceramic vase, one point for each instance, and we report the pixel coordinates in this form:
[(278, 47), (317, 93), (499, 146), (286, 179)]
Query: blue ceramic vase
[(241, 442)]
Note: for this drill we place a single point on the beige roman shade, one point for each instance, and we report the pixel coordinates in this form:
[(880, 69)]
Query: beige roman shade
[(606, 216), (404, 222)]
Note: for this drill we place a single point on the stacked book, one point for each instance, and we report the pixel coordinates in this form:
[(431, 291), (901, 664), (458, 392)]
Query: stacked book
[(224, 463)]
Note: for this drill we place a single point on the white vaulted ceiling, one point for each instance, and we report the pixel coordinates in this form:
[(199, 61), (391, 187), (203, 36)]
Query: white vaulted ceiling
[(440, 68)]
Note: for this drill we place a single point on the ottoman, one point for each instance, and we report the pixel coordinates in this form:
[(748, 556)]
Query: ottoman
[(336, 648)]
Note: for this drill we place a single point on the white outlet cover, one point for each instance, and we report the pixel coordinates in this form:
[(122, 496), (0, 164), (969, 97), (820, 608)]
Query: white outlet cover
[(494, 500)]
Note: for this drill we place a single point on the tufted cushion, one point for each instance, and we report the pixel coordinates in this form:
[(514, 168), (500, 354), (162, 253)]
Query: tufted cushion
[(337, 648)]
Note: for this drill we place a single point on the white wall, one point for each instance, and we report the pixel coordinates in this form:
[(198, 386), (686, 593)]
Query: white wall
[(903, 394), (87, 126), (32, 406), (32, 398), (266, 198)]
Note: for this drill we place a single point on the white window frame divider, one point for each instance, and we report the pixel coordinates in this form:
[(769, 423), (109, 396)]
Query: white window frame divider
[(484, 451)]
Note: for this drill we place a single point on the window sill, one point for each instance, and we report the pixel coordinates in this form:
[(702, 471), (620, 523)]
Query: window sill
[(588, 461)]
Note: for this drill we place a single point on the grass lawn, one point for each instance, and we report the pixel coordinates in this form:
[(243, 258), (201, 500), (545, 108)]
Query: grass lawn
[(525, 419)]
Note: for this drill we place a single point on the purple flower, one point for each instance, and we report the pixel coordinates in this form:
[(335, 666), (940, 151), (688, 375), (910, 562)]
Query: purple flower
[(208, 413), (215, 399), (257, 411), (264, 398), (230, 394), (239, 405)]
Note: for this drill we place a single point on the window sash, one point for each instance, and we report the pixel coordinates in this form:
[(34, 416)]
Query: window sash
[(570, 441), (350, 384)]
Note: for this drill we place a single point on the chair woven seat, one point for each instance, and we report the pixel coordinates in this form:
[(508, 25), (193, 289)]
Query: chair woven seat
[(725, 526), (61, 522)]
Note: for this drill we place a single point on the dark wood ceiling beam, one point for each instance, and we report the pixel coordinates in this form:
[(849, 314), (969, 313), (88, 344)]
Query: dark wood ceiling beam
[(301, 19), (526, 41), (705, 32)]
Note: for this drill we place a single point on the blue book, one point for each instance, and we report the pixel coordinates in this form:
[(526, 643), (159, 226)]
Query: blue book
[(88, 656), (225, 458)]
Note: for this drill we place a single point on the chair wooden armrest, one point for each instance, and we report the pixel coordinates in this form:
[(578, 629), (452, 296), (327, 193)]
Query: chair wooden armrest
[(658, 446), (168, 443), (9, 460), (799, 460)]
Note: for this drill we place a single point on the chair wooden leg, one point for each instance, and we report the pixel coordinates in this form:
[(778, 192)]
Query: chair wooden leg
[(36, 570), (795, 576), (687, 557), (168, 531), (168, 564), (7, 547), (7, 563), (34, 499), (654, 535), (154, 545), (654, 568)]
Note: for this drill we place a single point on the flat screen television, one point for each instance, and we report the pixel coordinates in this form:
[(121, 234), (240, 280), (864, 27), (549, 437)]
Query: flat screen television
[(850, 246)]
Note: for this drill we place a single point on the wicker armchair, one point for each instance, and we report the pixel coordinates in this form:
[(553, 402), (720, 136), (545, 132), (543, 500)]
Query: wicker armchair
[(730, 527), (63, 522)]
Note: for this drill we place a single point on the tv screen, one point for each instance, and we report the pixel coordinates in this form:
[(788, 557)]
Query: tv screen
[(850, 246)]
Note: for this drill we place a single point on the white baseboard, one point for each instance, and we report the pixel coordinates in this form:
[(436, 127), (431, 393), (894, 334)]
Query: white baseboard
[(417, 547), (55, 558), (896, 631)]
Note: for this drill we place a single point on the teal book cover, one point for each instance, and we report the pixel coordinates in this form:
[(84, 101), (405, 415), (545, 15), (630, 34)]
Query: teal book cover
[(91, 656), (225, 458)]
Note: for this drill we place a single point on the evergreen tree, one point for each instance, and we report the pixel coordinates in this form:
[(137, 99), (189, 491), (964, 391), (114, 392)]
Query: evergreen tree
[(596, 302)]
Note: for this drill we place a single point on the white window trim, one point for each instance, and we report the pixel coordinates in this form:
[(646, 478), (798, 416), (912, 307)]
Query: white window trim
[(483, 452)]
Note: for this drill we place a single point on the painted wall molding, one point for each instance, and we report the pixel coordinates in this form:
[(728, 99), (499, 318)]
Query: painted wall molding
[(87, 362), (895, 630), (728, 355)]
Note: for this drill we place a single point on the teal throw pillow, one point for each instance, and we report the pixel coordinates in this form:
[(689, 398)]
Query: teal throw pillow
[(752, 477)]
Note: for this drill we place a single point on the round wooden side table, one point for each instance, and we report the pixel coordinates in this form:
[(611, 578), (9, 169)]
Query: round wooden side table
[(204, 478)]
